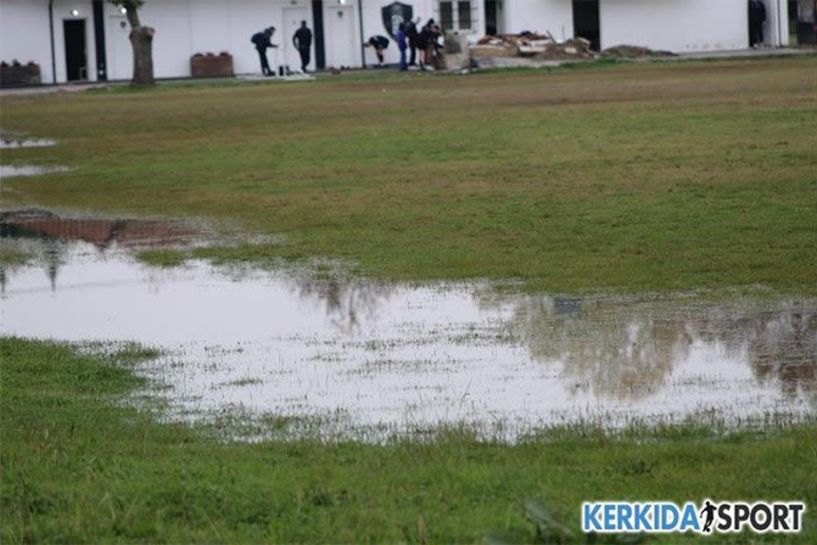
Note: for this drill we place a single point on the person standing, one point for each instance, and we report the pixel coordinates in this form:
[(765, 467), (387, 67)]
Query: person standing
[(302, 40), (412, 34), (402, 45), (423, 39), (263, 41)]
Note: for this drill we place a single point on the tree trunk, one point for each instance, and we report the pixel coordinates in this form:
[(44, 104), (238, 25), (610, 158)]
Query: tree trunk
[(141, 38)]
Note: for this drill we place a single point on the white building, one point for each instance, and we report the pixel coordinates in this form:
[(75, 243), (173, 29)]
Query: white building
[(88, 39)]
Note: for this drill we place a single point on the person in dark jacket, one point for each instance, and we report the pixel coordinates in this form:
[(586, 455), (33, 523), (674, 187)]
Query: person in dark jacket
[(379, 43), (402, 45), (302, 40), (412, 34), (423, 39), (429, 44), (263, 41)]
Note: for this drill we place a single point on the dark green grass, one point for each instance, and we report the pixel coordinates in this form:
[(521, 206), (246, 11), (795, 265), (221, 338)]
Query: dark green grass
[(77, 467), (666, 176)]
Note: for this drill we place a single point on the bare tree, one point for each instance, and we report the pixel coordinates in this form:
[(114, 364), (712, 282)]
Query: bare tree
[(141, 38)]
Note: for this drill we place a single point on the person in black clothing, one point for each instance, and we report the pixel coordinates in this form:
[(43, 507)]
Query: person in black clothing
[(302, 40), (422, 44), (427, 43), (379, 43), (757, 16), (412, 35), (263, 41)]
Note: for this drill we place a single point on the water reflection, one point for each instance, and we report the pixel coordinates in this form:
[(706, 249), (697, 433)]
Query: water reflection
[(100, 232), (349, 302), (370, 356), (629, 349), (47, 238)]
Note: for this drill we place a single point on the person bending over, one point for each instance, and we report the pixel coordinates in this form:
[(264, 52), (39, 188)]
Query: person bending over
[(263, 41), (379, 43)]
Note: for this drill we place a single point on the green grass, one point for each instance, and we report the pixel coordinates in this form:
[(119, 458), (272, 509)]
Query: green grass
[(162, 258), (78, 466), (665, 176)]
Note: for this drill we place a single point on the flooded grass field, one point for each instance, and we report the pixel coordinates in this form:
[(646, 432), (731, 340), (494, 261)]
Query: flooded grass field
[(320, 344), (372, 360)]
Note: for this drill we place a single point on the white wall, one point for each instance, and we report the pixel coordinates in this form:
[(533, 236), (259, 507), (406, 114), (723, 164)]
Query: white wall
[(676, 25), (24, 34), (540, 16), (186, 27)]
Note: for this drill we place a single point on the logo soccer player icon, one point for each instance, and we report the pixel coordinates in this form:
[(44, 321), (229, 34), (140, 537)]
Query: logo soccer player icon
[(708, 512)]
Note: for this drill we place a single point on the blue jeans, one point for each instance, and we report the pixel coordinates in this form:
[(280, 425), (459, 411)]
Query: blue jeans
[(403, 62)]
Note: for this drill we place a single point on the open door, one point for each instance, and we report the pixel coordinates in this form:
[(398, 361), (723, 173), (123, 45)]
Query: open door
[(76, 54), (492, 17), (586, 22)]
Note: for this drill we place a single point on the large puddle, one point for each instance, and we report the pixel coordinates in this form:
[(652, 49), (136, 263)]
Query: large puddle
[(368, 359)]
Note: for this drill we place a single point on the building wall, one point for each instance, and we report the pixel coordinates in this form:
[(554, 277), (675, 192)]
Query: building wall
[(554, 16), (186, 27), (681, 26), (25, 34)]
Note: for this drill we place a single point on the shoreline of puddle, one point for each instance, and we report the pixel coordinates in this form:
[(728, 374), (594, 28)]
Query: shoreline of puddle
[(347, 357)]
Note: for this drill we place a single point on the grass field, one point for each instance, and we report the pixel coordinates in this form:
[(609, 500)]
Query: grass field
[(618, 178), (623, 177)]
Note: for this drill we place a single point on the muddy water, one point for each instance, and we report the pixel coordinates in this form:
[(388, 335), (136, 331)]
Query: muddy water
[(370, 359)]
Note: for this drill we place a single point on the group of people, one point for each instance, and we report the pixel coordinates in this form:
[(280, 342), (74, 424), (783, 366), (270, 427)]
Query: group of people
[(302, 40), (410, 41)]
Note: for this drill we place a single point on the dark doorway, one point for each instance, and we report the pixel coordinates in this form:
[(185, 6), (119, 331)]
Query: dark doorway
[(586, 22), (320, 46), (491, 18), (99, 42), (76, 55)]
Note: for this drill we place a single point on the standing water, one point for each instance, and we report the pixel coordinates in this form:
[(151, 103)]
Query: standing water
[(367, 359)]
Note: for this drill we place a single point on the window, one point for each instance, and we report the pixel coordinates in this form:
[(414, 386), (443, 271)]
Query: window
[(457, 16), (464, 13), (447, 15)]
